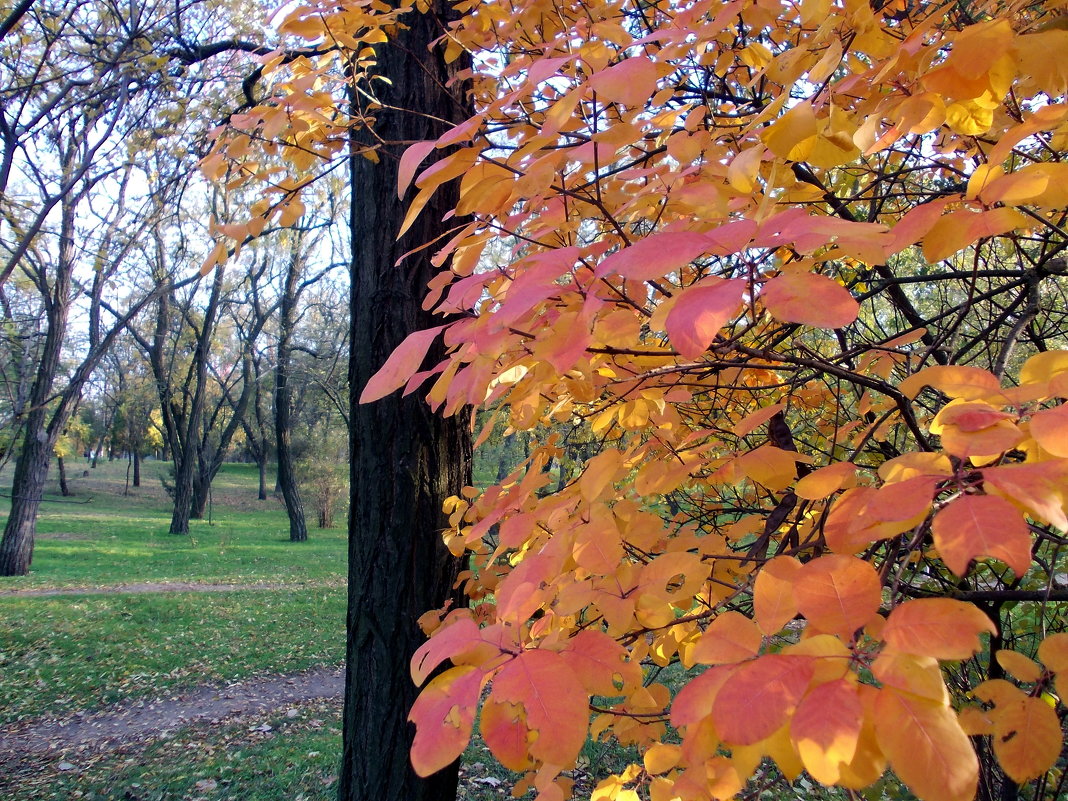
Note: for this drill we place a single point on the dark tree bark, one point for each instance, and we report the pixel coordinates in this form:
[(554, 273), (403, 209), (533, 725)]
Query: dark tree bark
[(405, 459), (136, 468), (283, 401), (61, 467)]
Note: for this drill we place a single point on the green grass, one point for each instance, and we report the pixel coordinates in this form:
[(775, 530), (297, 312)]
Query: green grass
[(61, 654), (101, 537)]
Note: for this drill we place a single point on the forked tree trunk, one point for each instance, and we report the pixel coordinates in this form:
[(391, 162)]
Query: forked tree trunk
[(405, 459)]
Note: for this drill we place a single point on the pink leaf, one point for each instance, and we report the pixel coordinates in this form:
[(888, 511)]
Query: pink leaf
[(809, 299), (401, 365), (655, 256), (700, 312), (409, 163)]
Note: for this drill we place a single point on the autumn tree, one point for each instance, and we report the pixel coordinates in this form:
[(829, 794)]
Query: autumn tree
[(798, 271)]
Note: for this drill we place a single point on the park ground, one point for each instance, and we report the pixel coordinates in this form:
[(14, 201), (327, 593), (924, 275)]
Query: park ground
[(143, 666)]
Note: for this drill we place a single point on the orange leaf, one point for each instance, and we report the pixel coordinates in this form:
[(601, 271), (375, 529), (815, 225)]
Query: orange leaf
[(926, 747), (938, 627), (505, 733), (956, 381), (826, 728), (981, 525), (809, 299), (774, 604), (1049, 427), (1019, 666), (757, 699), (700, 312), (821, 483), (693, 703), (1039, 488), (838, 594), (773, 467), (555, 704), (598, 546), (444, 714), (730, 637), (598, 660), (1027, 738)]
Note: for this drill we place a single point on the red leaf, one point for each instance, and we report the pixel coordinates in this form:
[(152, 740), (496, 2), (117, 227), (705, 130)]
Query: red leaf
[(409, 162), (938, 627)]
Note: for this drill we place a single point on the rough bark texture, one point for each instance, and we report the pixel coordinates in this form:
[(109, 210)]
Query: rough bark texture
[(405, 460)]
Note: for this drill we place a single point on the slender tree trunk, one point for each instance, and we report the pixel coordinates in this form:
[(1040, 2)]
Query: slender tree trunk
[(405, 459), (64, 490), (40, 434), (137, 468), (283, 404), (261, 464)]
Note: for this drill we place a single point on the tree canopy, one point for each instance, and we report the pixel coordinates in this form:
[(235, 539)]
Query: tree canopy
[(796, 270)]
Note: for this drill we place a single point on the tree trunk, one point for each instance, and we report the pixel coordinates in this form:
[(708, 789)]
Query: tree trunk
[(40, 433), (183, 494), (137, 468), (405, 459), (64, 490), (261, 464), (283, 403), (201, 488), (27, 487)]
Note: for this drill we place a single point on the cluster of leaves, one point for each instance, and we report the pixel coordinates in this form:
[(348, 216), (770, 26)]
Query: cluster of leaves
[(810, 478)]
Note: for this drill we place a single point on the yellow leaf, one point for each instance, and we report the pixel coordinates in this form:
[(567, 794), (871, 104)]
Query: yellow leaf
[(1019, 666), (1053, 652), (793, 135), (1027, 738)]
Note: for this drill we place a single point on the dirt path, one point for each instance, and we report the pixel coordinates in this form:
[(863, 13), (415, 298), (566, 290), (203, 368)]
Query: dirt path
[(153, 586), (111, 726)]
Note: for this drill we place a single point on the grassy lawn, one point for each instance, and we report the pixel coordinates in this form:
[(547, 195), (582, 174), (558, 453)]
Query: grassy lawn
[(63, 653), (101, 537)]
